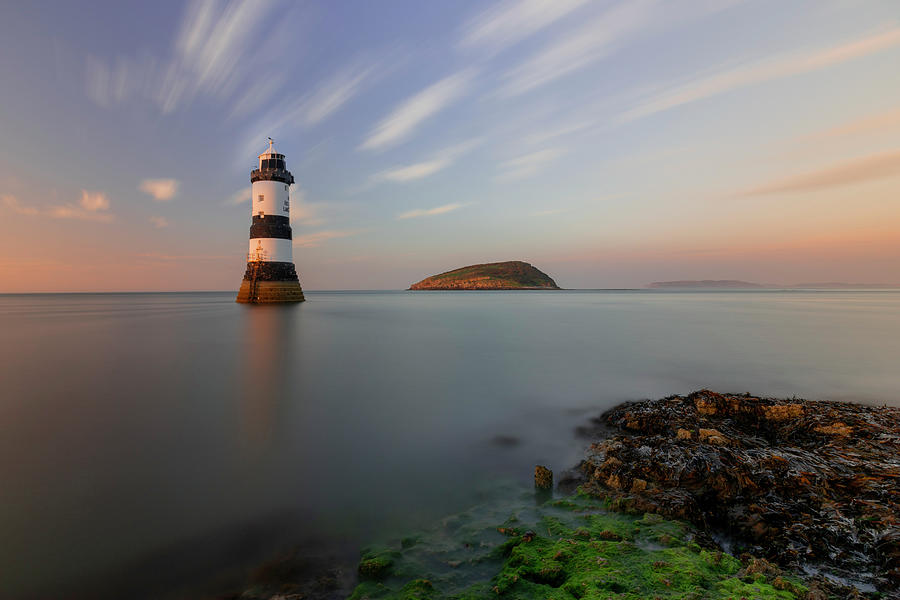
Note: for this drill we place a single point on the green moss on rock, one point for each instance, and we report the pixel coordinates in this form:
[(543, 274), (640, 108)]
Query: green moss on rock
[(564, 550)]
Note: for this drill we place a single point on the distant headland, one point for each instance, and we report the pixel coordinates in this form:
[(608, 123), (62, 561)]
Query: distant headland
[(735, 284), (510, 275), (705, 283)]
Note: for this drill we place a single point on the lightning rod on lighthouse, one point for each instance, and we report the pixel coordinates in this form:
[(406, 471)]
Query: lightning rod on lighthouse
[(270, 276)]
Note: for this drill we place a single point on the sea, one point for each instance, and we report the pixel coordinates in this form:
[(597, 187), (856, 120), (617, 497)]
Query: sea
[(156, 443)]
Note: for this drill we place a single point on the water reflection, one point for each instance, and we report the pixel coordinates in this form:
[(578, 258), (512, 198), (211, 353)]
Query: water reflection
[(268, 355)]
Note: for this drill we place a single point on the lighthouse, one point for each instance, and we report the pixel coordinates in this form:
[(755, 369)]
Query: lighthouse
[(270, 276)]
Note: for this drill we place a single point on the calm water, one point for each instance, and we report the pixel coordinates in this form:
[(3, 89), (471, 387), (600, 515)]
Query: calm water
[(168, 437)]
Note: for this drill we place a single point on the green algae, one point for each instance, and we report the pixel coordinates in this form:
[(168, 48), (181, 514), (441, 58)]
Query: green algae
[(571, 548)]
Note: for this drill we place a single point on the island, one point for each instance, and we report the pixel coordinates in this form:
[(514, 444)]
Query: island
[(510, 275)]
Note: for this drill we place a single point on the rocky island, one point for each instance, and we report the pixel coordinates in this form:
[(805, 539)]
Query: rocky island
[(510, 275)]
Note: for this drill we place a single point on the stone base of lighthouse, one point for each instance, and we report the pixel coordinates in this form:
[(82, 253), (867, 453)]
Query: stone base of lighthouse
[(270, 283)]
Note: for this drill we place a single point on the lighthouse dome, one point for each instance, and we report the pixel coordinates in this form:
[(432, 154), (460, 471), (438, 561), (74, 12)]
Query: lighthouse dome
[(270, 159)]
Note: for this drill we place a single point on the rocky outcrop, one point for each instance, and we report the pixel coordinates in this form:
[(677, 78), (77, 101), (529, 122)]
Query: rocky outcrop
[(511, 275), (801, 483)]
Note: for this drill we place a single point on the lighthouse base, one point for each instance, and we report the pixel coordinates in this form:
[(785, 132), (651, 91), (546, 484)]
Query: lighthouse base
[(269, 292), (270, 283)]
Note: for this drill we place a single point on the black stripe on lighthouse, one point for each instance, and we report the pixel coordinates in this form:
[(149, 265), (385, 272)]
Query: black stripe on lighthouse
[(270, 226)]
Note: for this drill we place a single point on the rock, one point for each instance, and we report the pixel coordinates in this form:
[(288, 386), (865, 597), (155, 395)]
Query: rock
[(505, 440), (713, 436), (375, 566), (838, 429), (543, 478), (783, 412), (762, 467)]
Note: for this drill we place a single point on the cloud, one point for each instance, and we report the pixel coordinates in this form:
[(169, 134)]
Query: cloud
[(578, 48), (258, 94), (162, 190), (159, 222), (12, 203), (332, 94), (875, 123), (859, 170), (528, 164), (508, 22), (312, 240), (777, 68), (414, 171), (93, 206), (239, 197), (304, 212), (440, 161), (566, 129), (216, 49), (401, 122), (212, 41), (429, 212), (93, 201)]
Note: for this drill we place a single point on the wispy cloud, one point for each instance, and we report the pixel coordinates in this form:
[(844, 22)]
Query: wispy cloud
[(239, 197), (441, 160), (212, 55), (403, 120), (510, 21), (162, 190), (334, 93), (578, 48), (210, 46), (317, 238), (93, 206), (304, 212), (159, 222), (566, 129), (859, 170), (258, 94), (430, 212), (414, 171), (877, 123), (777, 68), (528, 164)]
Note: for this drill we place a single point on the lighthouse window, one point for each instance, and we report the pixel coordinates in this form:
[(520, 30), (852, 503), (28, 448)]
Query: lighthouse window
[(261, 198)]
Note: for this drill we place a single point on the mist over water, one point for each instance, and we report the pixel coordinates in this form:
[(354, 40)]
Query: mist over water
[(140, 429)]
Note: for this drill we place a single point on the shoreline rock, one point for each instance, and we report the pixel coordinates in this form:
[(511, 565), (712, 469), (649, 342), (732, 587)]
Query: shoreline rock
[(805, 484)]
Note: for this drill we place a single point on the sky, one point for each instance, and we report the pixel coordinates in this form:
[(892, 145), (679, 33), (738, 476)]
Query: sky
[(610, 144)]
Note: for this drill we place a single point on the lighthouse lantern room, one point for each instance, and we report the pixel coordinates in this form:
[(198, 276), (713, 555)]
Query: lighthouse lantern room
[(270, 275)]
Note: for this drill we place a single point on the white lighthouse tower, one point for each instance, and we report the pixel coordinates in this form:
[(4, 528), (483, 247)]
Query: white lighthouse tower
[(270, 275)]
